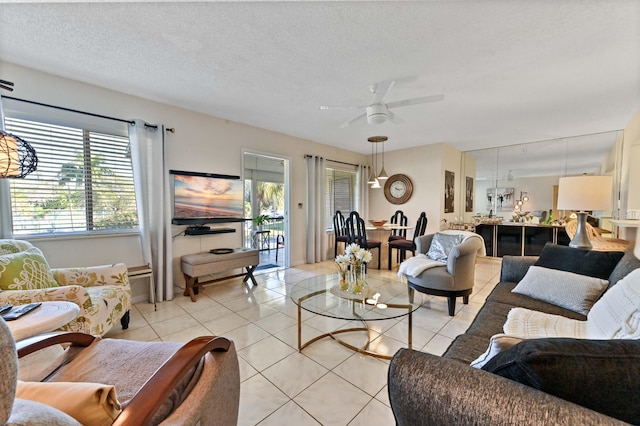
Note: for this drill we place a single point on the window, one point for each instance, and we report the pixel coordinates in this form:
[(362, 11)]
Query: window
[(340, 186), (84, 181)]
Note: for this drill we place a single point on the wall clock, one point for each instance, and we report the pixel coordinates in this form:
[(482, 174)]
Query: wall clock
[(398, 189)]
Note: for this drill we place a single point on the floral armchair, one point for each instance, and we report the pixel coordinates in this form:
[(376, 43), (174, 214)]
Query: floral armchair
[(103, 292)]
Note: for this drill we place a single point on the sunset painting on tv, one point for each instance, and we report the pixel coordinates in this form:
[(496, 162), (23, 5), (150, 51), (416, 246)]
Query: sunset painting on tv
[(200, 197)]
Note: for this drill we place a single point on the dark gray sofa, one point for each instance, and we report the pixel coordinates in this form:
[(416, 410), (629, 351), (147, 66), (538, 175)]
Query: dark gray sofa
[(425, 389)]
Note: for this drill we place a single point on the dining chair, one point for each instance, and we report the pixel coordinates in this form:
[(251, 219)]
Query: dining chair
[(357, 233), (398, 218), (404, 245), (339, 231)]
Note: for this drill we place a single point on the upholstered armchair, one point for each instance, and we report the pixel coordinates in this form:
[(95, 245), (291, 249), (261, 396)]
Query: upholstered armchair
[(99, 381), (452, 273), (103, 292)]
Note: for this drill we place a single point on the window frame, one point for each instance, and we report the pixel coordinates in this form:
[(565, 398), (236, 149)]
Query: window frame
[(106, 138)]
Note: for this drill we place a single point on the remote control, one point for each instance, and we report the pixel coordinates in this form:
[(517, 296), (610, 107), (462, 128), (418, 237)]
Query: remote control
[(19, 311), (5, 308)]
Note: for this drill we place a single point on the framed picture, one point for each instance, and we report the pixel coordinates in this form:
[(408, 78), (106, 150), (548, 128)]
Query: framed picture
[(468, 204), (449, 190), (503, 198)]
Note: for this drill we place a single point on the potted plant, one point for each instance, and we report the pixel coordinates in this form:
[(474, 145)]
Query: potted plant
[(260, 220)]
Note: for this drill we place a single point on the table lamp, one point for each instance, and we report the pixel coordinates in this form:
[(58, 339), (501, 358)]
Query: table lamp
[(582, 193)]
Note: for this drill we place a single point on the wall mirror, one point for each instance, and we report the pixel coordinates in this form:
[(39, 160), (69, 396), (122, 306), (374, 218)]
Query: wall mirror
[(530, 172)]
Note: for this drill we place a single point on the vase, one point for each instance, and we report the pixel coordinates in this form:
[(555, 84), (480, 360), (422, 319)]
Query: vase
[(359, 280), (344, 280)]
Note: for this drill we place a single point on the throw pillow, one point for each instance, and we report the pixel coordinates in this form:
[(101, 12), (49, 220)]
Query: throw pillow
[(603, 375), (592, 263), (442, 244), (497, 344), (572, 291), (26, 270), (617, 314), (88, 403)]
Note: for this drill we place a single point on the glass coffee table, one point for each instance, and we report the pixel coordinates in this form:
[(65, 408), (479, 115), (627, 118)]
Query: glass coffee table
[(385, 298)]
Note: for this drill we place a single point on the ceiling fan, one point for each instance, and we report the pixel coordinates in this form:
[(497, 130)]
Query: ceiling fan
[(379, 112)]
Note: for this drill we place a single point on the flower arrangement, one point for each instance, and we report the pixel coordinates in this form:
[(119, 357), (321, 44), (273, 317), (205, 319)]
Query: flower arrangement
[(353, 260)]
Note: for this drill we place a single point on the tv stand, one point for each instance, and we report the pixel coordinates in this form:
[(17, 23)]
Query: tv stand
[(205, 230)]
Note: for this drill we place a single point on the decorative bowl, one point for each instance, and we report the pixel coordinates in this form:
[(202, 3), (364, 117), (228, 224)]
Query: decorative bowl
[(378, 222)]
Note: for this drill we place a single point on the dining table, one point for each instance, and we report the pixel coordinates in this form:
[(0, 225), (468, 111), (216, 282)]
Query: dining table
[(382, 233)]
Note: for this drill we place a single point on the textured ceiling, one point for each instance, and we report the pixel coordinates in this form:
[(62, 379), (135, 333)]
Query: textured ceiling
[(510, 71)]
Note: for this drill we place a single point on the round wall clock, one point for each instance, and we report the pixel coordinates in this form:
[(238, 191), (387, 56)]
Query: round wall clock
[(398, 189)]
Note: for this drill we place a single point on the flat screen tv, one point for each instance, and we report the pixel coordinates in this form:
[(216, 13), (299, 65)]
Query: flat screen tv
[(200, 198)]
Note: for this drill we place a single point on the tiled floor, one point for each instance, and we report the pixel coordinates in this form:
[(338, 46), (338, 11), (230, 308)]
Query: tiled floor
[(325, 384)]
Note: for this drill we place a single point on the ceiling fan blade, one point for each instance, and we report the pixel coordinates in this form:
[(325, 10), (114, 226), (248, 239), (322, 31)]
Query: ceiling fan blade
[(353, 120), (381, 90), (394, 118), (343, 107), (415, 101)]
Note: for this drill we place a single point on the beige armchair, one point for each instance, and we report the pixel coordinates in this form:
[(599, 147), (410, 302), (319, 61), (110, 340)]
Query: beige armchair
[(103, 292), (121, 382)]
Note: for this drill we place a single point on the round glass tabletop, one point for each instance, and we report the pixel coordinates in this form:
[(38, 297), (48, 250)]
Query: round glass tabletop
[(384, 298)]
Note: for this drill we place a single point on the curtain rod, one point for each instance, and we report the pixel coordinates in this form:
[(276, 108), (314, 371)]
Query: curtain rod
[(131, 122), (333, 161)]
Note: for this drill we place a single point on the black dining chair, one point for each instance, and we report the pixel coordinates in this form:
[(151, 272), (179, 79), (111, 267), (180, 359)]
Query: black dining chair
[(339, 231), (357, 234), (404, 245), (398, 218)]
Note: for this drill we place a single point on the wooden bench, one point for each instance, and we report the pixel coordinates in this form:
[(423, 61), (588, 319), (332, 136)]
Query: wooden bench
[(197, 265)]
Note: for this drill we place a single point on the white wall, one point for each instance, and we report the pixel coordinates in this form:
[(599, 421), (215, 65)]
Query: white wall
[(201, 143), (425, 167)]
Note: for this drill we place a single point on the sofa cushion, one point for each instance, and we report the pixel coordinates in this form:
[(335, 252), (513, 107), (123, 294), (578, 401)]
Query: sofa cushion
[(572, 291), (627, 264), (502, 293), (442, 244), (465, 348), (498, 343), (603, 375), (25, 270), (592, 263), (617, 314)]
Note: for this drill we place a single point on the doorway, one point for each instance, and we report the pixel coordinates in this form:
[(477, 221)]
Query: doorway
[(266, 190)]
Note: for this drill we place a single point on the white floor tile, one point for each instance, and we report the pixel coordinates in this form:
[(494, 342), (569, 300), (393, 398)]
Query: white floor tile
[(265, 352), (332, 400), (326, 384)]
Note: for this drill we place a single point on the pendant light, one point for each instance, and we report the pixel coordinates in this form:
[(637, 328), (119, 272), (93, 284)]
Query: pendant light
[(383, 173), (374, 179)]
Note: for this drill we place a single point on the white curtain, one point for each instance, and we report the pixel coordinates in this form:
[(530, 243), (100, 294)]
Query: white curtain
[(151, 179), (316, 210), (6, 227), (362, 191)]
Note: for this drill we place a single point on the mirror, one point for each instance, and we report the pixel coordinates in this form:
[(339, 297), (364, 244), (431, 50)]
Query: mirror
[(524, 176)]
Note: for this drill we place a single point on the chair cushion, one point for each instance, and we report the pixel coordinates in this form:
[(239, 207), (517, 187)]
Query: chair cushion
[(592, 263), (586, 372), (88, 403), (572, 291), (25, 270), (32, 413), (442, 244)]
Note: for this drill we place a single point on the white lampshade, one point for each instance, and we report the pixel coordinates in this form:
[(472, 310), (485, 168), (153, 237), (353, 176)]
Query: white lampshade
[(585, 193)]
